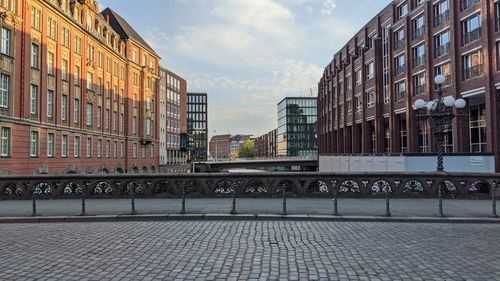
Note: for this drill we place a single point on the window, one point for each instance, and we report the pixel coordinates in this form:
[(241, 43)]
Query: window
[(106, 119), (99, 86), (402, 10), (76, 147), (50, 103), (35, 18), (399, 64), (5, 142), (418, 27), (152, 151), (477, 125), (5, 41), (64, 107), (444, 70), (78, 45), (99, 148), (134, 125), (472, 65), (108, 148), (88, 118), (52, 28), (122, 120), (77, 75), (115, 121), (4, 90), (64, 70), (134, 55), (35, 58), (471, 29), (148, 126), (370, 99), (50, 145), (50, 64), (108, 89), (423, 141), (76, 111), (90, 53), (89, 147), (442, 42), (497, 52), (400, 90), (115, 150), (359, 103), (122, 149), (34, 99), (441, 12), (468, 3), (419, 84), (143, 151), (134, 150), (98, 116), (65, 37), (349, 82), (359, 77), (90, 81), (34, 144), (497, 16), (399, 38), (370, 71), (64, 146), (419, 55)]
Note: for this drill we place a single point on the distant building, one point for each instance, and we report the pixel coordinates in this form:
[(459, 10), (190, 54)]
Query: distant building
[(297, 127), (219, 146), (265, 145), (197, 126), (235, 145), (173, 122)]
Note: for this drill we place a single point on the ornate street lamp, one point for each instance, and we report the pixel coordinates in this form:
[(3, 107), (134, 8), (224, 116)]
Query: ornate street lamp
[(440, 114)]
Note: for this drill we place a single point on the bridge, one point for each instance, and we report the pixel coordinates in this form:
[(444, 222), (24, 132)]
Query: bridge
[(305, 164)]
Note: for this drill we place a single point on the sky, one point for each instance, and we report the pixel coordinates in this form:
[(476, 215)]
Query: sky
[(247, 54)]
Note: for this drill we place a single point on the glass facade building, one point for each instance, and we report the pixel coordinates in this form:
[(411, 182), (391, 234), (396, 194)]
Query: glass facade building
[(197, 111), (297, 127)]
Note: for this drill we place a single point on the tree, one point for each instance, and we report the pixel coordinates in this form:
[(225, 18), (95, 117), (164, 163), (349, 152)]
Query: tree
[(247, 149)]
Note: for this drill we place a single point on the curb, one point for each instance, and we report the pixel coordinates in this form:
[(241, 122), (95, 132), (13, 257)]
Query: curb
[(245, 217)]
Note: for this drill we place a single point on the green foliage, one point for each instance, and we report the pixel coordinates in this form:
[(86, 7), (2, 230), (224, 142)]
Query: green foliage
[(247, 149)]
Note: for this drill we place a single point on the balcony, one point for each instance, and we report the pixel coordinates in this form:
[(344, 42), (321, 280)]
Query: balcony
[(418, 61), (471, 36), (468, 3), (472, 72), (399, 44), (399, 70), (418, 32), (419, 89), (441, 18), (442, 50)]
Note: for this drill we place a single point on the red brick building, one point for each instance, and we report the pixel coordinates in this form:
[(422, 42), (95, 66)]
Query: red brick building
[(265, 145), (367, 92), (78, 90)]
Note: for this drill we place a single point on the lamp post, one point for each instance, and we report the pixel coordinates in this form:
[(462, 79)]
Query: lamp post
[(440, 114)]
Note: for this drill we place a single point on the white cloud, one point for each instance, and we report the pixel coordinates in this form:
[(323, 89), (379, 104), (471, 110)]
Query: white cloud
[(328, 7)]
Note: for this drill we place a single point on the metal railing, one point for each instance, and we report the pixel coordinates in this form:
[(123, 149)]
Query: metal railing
[(468, 3), (473, 71), (399, 69), (442, 50), (420, 89), (418, 32), (399, 44), (471, 36), (234, 186), (418, 61), (441, 18)]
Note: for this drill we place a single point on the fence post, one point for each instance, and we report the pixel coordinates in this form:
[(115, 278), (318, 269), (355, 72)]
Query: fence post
[(33, 203), (132, 203), (494, 200), (183, 210), (233, 210), (440, 197), (387, 203), (335, 201), (84, 188), (284, 199)]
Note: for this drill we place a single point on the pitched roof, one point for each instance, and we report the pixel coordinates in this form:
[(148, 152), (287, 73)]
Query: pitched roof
[(123, 28)]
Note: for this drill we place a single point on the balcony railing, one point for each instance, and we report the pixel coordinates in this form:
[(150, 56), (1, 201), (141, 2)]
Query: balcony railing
[(473, 71), (468, 3), (419, 89), (399, 69), (418, 32), (401, 95), (399, 44), (417, 61), (441, 18), (442, 50), (469, 37)]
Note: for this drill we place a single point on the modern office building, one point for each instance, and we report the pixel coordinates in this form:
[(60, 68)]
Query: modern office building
[(197, 125), (297, 127), (265, 145), (173, 121), (77, 90), (367, 92)]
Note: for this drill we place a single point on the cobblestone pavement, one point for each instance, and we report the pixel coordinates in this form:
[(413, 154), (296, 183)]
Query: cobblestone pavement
[(242, 250)]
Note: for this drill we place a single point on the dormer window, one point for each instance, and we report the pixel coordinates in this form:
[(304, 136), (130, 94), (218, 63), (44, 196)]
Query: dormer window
[(89, 21)]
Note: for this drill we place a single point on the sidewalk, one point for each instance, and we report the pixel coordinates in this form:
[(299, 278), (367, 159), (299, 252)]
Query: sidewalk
[(405, 208)]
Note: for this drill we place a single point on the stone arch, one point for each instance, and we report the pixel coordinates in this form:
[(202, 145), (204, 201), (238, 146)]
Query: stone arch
[(135, 170), (381, 186), (104, 170), (349, 186), (12, 189), (479, 187), (119, 170), (318, 186), (144, 169), (287, 184), (256, 187), (223, 187), (413, 186), (153, 169), (102, 187)]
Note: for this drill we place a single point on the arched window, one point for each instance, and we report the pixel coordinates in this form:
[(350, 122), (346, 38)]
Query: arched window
[(89, 21), (144, 60)]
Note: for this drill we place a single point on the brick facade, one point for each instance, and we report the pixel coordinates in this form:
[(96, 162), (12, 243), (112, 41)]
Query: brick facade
[(75, 80), (367, 92)]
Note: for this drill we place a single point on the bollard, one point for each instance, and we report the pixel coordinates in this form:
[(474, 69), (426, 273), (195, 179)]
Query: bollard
[(132, 205), (335, 207), (83, 202), (33, 205), (440, 197), (284, 200), (233, 210), (494, 200), (387, 203), (183, 210)]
